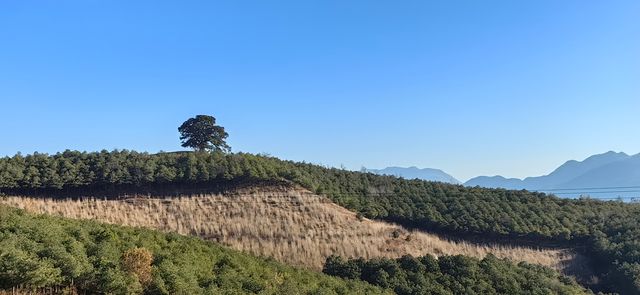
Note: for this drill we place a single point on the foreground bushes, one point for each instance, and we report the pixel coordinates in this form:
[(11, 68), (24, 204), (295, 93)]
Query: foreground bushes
[(40, 251), (453, 275)]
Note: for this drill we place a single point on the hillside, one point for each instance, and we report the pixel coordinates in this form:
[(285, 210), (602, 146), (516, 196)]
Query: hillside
[(287, 223), (85, 257), (428, 275), (49, 255), (607, 232)]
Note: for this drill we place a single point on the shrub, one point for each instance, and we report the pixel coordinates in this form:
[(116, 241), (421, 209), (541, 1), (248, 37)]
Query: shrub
[(137, 261)]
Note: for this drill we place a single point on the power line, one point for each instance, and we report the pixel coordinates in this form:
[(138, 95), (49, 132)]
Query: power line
[(565, 193), (596, 192), (588, 188)]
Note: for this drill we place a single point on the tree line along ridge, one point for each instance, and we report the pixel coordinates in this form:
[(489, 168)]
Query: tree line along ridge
[(607, 231)]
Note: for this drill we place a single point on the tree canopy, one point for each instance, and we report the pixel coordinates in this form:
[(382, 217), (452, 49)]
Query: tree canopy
[(449, 275), (38, 252), (607, 231), (201, 133)]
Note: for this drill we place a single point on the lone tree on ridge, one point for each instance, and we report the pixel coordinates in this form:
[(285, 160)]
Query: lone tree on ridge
[(202, 134)]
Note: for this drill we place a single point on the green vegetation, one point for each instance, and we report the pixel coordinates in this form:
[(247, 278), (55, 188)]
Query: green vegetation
[(202, 133), (453, 275), (608, 231), (41, 251)]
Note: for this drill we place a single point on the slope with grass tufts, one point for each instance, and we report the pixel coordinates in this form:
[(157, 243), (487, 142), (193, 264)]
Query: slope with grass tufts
[(52, 255), (287, 223)]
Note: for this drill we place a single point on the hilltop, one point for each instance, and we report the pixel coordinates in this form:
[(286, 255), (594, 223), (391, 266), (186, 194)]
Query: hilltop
[(603, 231)]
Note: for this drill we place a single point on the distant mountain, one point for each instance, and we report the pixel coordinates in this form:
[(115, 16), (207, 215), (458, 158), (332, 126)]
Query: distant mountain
[(623, 173), (415, 172), (599, 175), (495, 181)]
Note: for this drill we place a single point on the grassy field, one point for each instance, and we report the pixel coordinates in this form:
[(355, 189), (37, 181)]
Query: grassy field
[(287, 223)]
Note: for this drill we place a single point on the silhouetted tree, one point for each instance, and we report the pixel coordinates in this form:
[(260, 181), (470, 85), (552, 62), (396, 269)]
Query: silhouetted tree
[(201, 133)]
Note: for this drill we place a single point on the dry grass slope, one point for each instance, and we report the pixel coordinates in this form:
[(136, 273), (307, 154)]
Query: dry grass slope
[(291, 225)]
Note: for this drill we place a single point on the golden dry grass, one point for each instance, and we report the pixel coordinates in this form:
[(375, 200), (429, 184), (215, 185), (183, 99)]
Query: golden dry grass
[(291, 225)]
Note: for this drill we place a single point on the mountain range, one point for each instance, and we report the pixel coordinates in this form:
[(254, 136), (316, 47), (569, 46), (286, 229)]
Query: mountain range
[(415, 172), (607, 175)]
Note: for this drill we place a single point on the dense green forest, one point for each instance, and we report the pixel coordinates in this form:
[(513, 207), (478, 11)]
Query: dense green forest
[(450, 275), (42, 251), (608, 231)]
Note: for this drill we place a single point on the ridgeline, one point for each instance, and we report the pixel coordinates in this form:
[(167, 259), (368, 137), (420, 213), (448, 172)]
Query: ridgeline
[(605, 231)]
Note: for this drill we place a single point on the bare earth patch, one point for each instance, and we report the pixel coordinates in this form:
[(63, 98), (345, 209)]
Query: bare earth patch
[(291, 225)]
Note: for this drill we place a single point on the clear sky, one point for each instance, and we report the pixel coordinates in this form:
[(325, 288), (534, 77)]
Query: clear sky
[(471, 87)]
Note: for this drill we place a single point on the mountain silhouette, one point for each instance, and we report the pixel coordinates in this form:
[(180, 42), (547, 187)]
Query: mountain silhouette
[(608, 175), (415, 172)]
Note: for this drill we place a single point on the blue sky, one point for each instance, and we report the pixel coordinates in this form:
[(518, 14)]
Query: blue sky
[(471, 87)]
